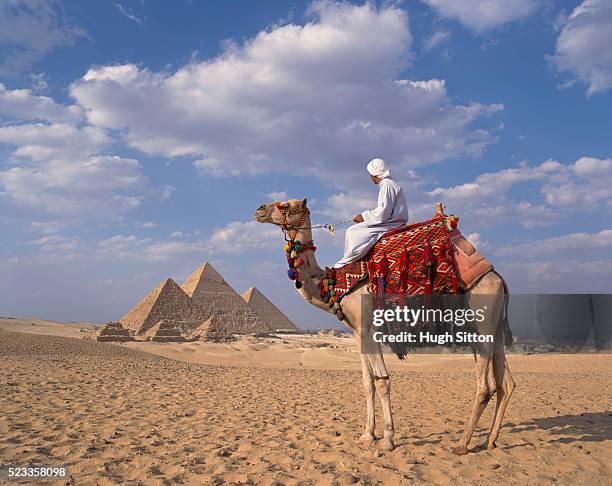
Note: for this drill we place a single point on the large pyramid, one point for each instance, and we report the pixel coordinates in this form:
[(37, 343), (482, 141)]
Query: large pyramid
[(209, 290), (167, 302), (267, 311)]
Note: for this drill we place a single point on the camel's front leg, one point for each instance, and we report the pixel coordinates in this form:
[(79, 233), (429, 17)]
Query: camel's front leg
[(368, 384), (383, 387)]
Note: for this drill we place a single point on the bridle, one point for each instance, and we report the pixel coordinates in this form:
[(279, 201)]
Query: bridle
[(294, 248), (288, 227)]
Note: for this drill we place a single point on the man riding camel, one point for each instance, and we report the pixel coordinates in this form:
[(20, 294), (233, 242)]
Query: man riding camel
[(390, 212)]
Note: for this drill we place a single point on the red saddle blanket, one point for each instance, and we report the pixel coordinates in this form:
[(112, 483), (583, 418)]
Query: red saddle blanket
[(412, 259)]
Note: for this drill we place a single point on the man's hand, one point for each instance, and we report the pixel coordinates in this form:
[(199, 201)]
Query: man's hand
[(358, 218)]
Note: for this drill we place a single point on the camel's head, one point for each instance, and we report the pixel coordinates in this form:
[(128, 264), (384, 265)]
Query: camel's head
[(273, 212)]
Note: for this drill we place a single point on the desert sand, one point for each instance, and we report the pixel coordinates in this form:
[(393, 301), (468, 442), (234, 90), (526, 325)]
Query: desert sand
[(286, 411)]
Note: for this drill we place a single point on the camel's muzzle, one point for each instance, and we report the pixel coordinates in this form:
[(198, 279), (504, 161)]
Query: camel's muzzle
[(263, 213)]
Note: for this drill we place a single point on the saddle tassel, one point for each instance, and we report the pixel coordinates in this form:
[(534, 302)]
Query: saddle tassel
[(404, 265), (451, 258), (427, 261)]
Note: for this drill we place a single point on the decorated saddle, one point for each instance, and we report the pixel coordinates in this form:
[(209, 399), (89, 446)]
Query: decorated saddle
[(430, 257)]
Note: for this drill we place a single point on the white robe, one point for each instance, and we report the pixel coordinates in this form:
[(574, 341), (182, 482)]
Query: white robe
[(390, 213)]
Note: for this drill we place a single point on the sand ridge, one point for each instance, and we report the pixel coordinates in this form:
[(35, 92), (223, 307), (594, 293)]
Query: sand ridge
[(116, 415)]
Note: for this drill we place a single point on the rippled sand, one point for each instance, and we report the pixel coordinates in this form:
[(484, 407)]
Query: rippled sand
[(116, 415)]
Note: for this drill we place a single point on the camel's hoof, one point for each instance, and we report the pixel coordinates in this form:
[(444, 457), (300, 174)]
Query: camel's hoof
[(460, 450), (387, 445), (491, 446), (367, 437)]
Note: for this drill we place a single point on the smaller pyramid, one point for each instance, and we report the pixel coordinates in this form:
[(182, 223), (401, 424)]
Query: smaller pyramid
[(114, 331), (163, 332), (166, 302), (214, 329), (268, 312)]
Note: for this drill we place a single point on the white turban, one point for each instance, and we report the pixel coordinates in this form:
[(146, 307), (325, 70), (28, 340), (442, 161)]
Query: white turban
[(378, 168)]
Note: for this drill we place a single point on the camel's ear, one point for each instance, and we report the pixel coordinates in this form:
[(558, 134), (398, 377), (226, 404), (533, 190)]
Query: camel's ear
[(304, 202)]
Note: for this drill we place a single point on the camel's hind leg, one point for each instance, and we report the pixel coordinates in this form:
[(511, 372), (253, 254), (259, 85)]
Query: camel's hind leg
[(487, 294), (484, 392), (505, 386)]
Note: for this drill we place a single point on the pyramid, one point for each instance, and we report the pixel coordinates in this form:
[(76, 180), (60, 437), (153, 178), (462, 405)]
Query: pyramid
[(267, 311), (213, 329), (167, 302), (114, 331), (164, 331), (209, 290)]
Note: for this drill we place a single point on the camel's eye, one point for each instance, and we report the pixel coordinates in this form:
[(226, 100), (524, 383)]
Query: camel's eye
[(262, 207)]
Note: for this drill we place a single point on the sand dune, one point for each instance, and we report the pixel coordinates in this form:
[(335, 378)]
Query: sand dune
[(116, 415)]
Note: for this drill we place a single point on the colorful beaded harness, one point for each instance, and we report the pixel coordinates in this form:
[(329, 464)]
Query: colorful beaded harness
[(292, 247)]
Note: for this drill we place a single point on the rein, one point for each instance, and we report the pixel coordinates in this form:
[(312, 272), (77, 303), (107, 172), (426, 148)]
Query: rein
[(286, 227)]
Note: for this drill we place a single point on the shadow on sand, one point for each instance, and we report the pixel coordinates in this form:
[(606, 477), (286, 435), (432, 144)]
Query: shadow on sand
[(584, 427)]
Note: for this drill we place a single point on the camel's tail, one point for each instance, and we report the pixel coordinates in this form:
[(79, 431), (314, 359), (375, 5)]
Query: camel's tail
[(508, 337)]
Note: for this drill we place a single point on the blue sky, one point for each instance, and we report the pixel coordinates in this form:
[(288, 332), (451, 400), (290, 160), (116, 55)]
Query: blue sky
[(138, 137)]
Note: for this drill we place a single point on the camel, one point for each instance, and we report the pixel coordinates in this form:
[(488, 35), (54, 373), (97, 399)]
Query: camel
[(492, 372)]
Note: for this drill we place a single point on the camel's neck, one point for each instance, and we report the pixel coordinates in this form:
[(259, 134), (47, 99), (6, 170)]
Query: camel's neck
[(310, 272)]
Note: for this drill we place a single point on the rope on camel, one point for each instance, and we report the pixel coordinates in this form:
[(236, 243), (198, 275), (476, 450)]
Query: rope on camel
[(331, 227)]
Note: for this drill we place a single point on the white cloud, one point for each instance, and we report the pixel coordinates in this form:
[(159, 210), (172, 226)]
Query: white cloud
[(145, 250), (549, 275), (477, 240), (30, 29), (41, 142), (277, 196), (146, 225), (573, 242), (56, 243), (22, 104), (119, 242), (583, 46), (128, 15), (57, 168), (178, 234), (481, 16), (46, 227), (343, 206), (239, 237), (497, 196), (313, 98), (437, 38), (584, 185), (495, 183)]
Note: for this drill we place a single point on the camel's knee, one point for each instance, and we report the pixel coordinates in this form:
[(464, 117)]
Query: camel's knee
[(368, 384), (507, 385), (484, 394), (382, 384)]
